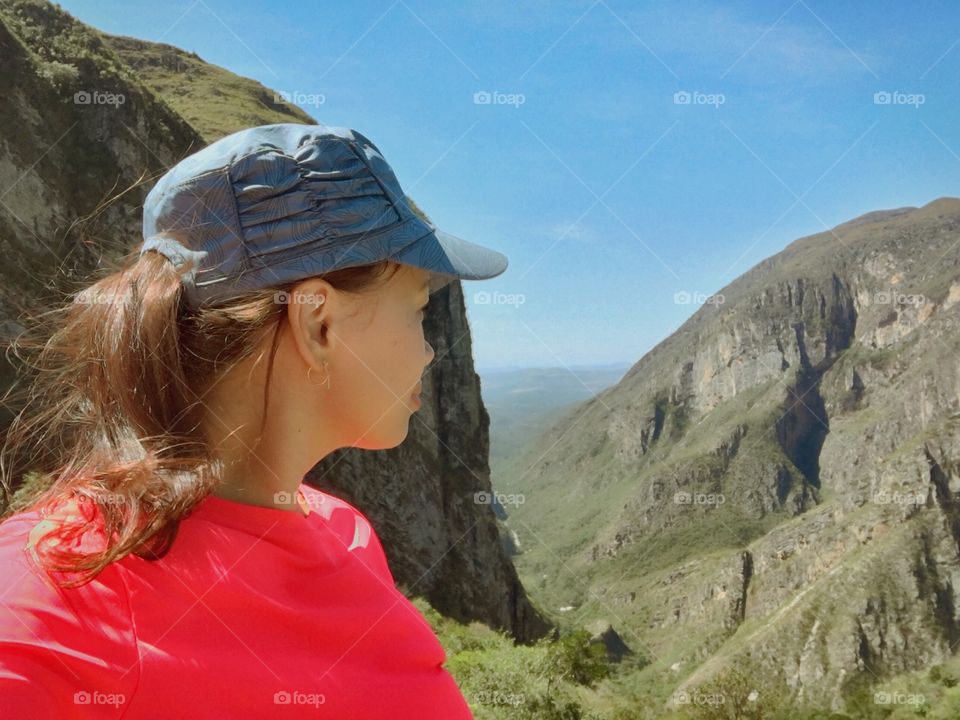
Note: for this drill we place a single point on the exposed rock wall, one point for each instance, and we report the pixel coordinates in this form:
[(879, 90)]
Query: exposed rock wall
[(788, 463)]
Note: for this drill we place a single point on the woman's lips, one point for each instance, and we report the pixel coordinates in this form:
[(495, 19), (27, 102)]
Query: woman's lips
[(415, 395)]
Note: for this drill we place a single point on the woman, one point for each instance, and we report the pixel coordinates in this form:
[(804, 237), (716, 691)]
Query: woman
[(172, 562)]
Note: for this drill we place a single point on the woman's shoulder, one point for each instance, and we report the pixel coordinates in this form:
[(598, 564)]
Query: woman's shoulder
[(59, 645), (15, 534), (20, 544), (31, 586), (69, 523)]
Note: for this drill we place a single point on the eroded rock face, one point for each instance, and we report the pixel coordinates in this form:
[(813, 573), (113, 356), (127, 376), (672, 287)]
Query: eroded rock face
[(60, 158), (786, 466)]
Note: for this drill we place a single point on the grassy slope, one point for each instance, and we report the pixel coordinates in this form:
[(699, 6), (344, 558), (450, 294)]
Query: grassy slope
[(214, 100)]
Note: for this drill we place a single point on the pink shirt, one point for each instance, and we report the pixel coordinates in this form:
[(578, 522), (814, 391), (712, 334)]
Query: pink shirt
[(254, 613)]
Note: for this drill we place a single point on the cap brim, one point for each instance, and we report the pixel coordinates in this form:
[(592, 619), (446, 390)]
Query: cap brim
[(448, 257)]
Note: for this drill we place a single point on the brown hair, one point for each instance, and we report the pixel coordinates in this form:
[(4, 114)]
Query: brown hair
[(112, 405)]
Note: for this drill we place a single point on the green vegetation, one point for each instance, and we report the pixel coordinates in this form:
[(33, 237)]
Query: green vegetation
[(570, 679), (213, 100), (501, 680), (932, 693)]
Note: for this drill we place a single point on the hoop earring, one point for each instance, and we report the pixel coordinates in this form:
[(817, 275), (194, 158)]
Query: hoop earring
[(326, 381)]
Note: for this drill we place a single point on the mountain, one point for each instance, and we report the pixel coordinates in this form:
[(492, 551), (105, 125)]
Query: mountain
[(212, 99), (89, 122), (775, 485)]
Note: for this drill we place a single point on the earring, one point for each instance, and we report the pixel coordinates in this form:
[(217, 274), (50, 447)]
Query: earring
[(326, 380)]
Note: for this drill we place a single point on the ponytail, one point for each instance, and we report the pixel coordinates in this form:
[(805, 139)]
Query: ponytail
[(108, 443)]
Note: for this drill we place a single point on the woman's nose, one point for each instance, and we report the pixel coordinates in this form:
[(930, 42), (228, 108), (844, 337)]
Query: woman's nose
[(430, 352)]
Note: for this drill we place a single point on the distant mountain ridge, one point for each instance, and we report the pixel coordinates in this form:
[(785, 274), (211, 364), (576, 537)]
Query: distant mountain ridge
[(522, 401), (776, 482)]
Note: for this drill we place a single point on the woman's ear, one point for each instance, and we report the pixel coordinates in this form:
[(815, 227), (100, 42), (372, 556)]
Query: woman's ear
[(312, 308)]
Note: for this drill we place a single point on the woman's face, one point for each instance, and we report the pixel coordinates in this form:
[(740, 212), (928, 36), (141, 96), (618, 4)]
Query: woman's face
[(376, 355)]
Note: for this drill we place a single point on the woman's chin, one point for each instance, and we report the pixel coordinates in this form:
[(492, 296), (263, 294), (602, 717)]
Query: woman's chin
[(385, 442)]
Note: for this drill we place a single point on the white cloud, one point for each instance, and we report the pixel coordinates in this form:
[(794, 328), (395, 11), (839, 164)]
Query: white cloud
[(714, 38)]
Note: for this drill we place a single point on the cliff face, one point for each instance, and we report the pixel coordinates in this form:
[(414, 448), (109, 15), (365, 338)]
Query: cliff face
[(68, 142), (63, 154), (779, 478)]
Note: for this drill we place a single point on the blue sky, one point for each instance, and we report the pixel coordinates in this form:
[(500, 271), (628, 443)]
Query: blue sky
[(618, 153)]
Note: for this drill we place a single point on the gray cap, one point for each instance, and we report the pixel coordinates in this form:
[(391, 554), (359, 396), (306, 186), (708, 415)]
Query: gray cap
[(277, 203)]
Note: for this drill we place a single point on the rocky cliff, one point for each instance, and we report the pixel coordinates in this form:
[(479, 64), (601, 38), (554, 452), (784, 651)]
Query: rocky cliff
[(88, 117), (778, 480)]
